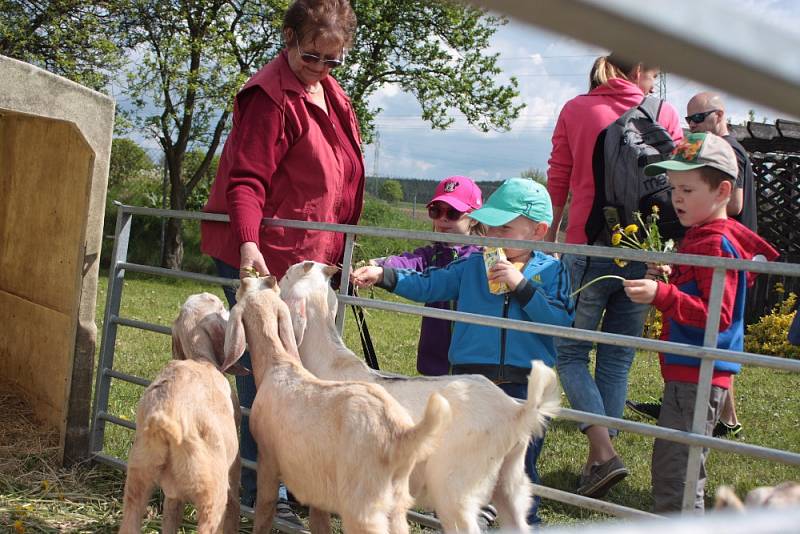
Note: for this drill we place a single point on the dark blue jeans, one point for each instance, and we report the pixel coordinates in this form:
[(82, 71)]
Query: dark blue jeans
[(520, 391), (246, 389)]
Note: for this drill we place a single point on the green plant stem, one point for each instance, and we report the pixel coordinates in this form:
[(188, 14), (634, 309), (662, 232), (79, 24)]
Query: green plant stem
[(584, 286)]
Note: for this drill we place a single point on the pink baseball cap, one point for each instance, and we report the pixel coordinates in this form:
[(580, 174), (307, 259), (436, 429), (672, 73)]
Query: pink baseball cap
[(459, 192)]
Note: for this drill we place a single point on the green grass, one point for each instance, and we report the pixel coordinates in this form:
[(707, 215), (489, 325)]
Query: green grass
[(768, 403)]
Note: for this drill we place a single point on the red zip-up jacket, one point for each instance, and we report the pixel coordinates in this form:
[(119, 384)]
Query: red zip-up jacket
[(283, 159)]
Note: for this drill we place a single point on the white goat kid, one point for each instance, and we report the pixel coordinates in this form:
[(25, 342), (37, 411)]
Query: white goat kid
[(341, 447), (482, 457), (186, 439)]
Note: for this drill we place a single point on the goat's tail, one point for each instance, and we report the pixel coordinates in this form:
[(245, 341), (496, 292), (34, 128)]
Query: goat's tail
[(419, 441), (159, 425), (543, 400)]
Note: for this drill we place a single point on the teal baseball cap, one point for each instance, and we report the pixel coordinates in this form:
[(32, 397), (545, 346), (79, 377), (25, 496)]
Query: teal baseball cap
[(515, 197)]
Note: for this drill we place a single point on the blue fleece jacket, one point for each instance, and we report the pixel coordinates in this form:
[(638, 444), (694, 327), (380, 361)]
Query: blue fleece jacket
[(543, 297)]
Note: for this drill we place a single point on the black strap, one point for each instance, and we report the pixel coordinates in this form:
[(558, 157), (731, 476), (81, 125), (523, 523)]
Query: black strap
[(363, 331)]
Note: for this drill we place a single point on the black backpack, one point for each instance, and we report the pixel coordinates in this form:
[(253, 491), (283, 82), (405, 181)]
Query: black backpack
[(621, 152)]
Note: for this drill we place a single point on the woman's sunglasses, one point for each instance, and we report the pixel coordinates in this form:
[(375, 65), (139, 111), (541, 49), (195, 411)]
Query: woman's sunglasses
[(436, 211), (697, 118), (313, 58)]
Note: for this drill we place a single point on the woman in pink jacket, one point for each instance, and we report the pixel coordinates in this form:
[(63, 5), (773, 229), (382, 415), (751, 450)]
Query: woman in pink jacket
[(616, 86)]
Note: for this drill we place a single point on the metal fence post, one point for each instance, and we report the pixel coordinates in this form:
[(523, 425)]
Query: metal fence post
[(703, 388), (344, 284), (122, 234)]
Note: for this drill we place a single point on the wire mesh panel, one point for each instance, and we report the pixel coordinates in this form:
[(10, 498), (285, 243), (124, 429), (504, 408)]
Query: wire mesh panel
[(777, 178)]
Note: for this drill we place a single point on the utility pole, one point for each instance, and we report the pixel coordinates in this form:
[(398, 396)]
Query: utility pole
[(662, 86)]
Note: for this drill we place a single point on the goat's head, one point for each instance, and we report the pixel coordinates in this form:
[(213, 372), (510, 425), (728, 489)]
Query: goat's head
[(198, 333), (256, 283), (259, 312), (305, 280)]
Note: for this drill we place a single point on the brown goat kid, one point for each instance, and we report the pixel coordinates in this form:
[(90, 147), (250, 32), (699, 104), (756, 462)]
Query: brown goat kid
[(186, 430), (343, 447)]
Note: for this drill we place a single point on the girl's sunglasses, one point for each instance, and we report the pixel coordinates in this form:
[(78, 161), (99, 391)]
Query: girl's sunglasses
[(313, 58), (436, 211)]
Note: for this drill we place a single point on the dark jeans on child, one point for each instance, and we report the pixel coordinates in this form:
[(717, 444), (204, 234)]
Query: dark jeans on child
[(520, 391), (668, 469)]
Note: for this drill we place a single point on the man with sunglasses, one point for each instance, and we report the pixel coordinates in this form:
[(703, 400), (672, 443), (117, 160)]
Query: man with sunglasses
[(705, 112)]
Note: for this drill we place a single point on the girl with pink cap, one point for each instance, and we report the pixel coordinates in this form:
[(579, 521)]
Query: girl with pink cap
[(453, 199)]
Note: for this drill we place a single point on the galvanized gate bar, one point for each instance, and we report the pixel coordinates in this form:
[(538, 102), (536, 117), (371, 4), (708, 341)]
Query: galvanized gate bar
[(113, 296), (592, 504), (679, 436), (142, 325), (344, 283), (701, 402), (760, 63), (577, 333), (780, 268), (176, 273)]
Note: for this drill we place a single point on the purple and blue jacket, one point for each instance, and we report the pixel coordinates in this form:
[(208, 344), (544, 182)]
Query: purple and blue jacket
[(434, 336)]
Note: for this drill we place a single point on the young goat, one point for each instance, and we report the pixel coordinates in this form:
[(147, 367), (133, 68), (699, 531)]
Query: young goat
[(186, 438), (341, 447), (482, 458), (784, 495)]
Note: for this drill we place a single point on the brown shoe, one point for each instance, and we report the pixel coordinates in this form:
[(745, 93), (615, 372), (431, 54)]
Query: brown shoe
[(602, 477)]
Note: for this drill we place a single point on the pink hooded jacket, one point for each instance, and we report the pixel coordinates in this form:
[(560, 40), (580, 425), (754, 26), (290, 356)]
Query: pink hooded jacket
[(580, 122)]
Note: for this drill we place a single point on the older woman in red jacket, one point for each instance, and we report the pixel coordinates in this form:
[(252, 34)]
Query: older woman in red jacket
[(616, 86), (294, 152)]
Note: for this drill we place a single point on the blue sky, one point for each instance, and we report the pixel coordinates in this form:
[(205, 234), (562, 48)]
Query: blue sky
[(551, 69)]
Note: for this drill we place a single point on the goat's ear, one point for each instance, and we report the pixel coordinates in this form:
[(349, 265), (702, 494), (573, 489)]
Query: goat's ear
[(270, 282), (307, 266), (285, 332), (234, 338), (177, 347), (297, 309), (211, 337), (330, 270), (726, 498)]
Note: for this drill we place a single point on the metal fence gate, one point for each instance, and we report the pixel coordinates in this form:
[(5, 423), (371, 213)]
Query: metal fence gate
[(708, 353)]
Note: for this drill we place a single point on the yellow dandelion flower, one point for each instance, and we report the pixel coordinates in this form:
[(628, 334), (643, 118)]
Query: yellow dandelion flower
[(616, 238), (631, 229), (19, 527), (620, 262)]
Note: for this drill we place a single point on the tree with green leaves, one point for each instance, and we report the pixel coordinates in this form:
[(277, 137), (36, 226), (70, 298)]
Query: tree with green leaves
[(391, 191), (192, 57), (435, 51), (73, 38), (128, 160)]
